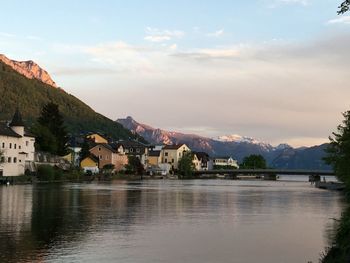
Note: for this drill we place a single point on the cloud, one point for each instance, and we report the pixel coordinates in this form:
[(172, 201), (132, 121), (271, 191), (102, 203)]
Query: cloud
[(209, 53), (157, 35), (301, 2), (217, 33), (340, 20), (275, 91), (277, 3)]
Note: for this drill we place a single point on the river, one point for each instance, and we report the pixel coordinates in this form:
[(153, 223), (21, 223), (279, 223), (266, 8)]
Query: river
[(168, 221)]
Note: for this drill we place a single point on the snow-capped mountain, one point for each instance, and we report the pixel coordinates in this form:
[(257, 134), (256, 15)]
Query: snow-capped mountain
[(282, 156)]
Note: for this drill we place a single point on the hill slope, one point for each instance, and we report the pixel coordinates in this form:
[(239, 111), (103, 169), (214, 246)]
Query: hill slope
[(31, 94)]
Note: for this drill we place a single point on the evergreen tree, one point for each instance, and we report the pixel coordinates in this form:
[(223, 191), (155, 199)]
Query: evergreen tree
[(338, 151), (254, 161), (51, 131), (85, 149), (186, 166), (344, 7), (134, 165)]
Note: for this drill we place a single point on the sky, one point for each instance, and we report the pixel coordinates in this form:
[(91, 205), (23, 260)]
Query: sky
[(274, 70)]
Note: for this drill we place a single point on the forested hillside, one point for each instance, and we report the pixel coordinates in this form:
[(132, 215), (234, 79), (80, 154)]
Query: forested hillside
[(30, 95)]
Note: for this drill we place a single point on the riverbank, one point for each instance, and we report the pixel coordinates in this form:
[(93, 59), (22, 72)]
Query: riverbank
[(339, 252)]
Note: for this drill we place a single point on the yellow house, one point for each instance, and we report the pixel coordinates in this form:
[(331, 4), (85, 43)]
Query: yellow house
[(90, 163), (154, 158), (171, 154), (97, 138)]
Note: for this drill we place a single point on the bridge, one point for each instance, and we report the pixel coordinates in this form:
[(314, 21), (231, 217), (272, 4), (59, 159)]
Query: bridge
[(268, 172)]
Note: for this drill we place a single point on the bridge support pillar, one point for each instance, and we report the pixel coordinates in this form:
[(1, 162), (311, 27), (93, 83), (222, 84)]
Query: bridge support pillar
[(270, 177), (314, 178)]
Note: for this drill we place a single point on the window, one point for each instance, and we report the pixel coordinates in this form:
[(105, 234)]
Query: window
[(3, 145), (99, 149), (27, 143), (172, 160), (15, 146), (100, 157), (20, 160), (166, 153), (15, 159), (137, 150), (9, 159), (165, 160), (2, 159), (106, 157), (19, 147), (10, 146), (131, 150)]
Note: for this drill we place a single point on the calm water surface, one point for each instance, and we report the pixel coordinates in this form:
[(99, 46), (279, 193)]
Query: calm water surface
[(167, 221)]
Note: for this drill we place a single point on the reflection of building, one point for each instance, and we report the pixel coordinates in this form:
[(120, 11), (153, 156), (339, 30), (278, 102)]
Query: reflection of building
[(17, 147)]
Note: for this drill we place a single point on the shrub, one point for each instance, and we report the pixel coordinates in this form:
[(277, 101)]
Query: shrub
[(45, 173)]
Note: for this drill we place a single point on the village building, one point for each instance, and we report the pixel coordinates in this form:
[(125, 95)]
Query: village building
[(225, 162), (90, 164), (107, 155), (136, 149), (205, 163), (16, 147), (171, 154), (97, 138)]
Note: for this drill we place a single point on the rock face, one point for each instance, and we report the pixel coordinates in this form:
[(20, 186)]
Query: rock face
[(29, 69), (236, 146)]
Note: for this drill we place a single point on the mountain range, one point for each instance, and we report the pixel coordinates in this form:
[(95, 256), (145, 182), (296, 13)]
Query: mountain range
[(282, 156)]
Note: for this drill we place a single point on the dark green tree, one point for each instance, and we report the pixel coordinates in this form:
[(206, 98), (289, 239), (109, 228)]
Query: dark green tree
[(134, 165), (338, 150), (85, 147), (254, 161), (186, 166), (44, 139), (51, 131), (344, 7)]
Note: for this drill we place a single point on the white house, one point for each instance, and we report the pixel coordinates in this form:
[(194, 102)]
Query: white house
[(225, 161), (16, 147)]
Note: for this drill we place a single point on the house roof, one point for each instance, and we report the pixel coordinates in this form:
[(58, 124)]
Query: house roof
[(129, 143), (28, 134), (202, 156), (222, 157), (154, 153), (173, 147), (107, 146), (92, 157), (7, 131), (17, 119)]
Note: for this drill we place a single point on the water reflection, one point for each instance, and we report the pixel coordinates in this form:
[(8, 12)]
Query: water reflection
[(166, 221)]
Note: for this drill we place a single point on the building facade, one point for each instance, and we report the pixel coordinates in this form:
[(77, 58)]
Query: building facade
[(171, 154), (16, 147)]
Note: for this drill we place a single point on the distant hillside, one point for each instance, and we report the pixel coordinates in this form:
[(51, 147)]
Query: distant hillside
[(31, 94), (282, 156)]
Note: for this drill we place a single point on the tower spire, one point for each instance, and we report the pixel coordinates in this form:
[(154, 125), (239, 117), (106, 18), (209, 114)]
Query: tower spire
[(17, 119)]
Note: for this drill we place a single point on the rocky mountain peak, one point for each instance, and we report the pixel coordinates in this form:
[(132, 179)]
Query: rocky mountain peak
[(29, 69)]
